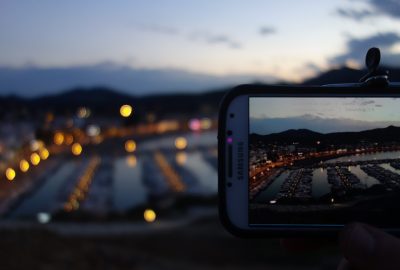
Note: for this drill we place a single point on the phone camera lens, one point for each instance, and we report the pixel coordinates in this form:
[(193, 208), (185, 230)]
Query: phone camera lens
[(229, 132), (231, 115)]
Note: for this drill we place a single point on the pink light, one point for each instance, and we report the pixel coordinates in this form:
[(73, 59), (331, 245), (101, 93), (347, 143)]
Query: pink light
[(229, 140), (195, 124)]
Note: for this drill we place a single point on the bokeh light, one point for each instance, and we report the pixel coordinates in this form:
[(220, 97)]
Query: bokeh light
[(35, 159), (69, 139), (181, 158), (44, 154), (83, 112), (195, 124), (205, 123), (76, 149), (130, 146), (34, 145), (24, 165), (58, 138), (131, 161), (125, 110), (10, 174), (149, 215), (180, 143)]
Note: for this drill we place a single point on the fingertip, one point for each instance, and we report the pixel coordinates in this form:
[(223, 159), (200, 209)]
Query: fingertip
[(343, 265)]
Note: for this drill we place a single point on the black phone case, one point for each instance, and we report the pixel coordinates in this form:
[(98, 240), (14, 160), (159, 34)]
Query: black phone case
[(257, 89)]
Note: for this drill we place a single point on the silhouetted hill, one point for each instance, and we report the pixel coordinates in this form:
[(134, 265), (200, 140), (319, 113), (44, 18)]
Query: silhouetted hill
[(105, 101), (289, 136), (308, 137), (31, 81), (348, 75)]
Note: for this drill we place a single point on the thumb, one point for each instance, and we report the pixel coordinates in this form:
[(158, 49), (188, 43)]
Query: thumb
[(366, 247)]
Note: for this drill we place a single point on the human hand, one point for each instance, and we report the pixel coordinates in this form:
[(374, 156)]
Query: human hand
[(365, 247)]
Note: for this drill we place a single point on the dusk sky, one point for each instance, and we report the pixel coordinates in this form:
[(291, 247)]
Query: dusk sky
[(270, 115), (286, 39)]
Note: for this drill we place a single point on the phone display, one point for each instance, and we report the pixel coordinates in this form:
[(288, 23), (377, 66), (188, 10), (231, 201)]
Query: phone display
[(306, 160), (323, 160)]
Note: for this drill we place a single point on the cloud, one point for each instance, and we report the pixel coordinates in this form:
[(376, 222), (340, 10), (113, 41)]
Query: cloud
[(267, 30), (167, 30), (215, 39), (357, 48), (354, 14), (197, 36), (388, 7), (367, 102), (312, 66)]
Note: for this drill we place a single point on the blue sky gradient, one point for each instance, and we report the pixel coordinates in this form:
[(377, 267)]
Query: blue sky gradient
[(290, 40)]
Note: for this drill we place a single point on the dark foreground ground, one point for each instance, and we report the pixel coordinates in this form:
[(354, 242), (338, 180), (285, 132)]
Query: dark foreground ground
[(200, 245)]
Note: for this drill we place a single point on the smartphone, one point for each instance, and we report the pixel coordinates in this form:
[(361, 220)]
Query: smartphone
[(308, 160)]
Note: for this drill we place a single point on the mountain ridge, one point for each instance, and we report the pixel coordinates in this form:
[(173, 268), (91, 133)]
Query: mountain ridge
[(309, 137)]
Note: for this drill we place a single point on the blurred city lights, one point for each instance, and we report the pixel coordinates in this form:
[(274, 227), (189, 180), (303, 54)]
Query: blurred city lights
[(83, 112), (69, 139), (181, 158), (82, 187), (93, 130), (76, 149), (24, 165), (34, 145), (149, 215), (125, 110), (44, 153), (43, 218), (58, 138), (131, 161), (194, 124), (35, 159), (10, 174), (172, 177), (205, 123), (180, 143), (130, 146)]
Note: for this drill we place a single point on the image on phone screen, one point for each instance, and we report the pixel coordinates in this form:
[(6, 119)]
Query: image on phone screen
[(318, 160)]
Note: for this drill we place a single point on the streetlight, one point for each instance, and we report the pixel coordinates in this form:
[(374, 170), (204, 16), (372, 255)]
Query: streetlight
[(125, 110), (76, 149)]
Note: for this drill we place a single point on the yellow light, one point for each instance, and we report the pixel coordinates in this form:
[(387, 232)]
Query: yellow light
[(10, 174), (130, 146), (205, 123), (44, 154), (131, 161), (76, 149), (149, 215), (180, 143), (69, 139), (35, 159), (24, 165), (181, 158), (58, 138), (125, 110)]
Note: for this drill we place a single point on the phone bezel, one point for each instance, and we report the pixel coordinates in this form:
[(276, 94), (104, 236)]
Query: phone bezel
[(282, 91)]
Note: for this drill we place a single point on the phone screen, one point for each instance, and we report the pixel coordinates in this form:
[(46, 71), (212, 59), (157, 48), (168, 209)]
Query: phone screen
[(322, 161)]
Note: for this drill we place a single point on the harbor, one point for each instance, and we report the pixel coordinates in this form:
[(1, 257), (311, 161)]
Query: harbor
[(103, 184), (330, 181)]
